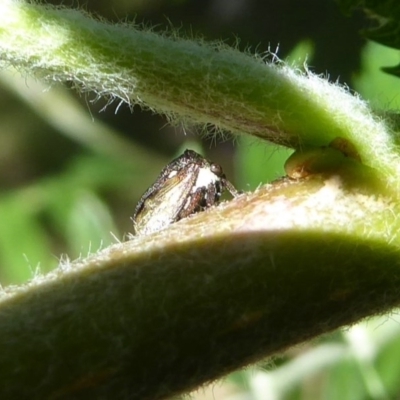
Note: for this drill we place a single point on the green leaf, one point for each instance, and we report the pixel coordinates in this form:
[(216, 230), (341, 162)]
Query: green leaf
[(259, 162), (90, 225), (386, 17), (24, 246), (380, 89)]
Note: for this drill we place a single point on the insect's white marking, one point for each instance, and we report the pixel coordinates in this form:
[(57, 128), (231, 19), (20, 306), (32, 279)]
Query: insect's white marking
[(172, 174), (204, 178)]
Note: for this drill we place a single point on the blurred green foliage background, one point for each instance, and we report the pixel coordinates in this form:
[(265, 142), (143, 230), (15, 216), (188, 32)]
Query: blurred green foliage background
[(72, 169)]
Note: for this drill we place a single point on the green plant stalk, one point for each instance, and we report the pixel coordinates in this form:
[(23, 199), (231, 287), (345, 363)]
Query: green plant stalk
[(193, 81), (161, 314)]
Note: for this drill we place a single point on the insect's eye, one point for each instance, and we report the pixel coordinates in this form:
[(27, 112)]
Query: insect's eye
[(216, 169)]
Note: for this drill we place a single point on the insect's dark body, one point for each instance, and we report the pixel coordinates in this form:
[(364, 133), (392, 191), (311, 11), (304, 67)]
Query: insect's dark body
[(187, 185)]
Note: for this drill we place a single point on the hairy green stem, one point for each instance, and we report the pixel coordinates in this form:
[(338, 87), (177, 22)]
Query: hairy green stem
[(162, 314), (194, 81)]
